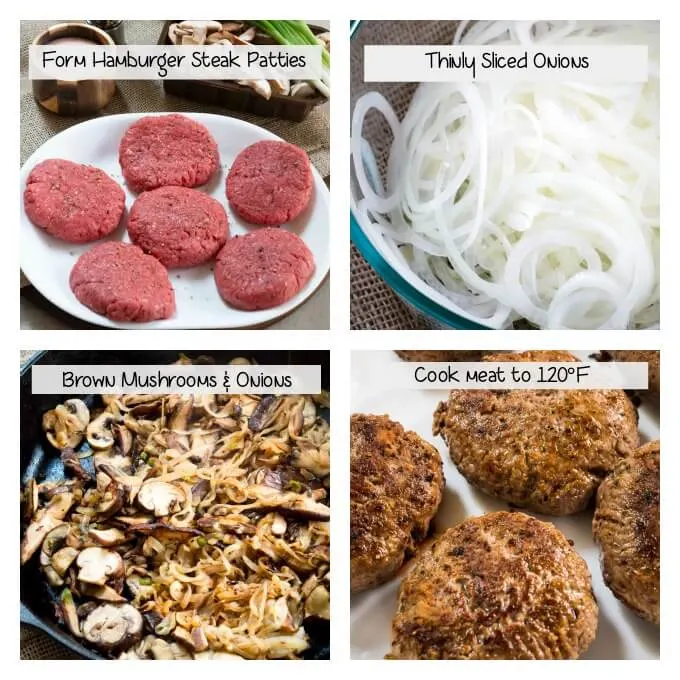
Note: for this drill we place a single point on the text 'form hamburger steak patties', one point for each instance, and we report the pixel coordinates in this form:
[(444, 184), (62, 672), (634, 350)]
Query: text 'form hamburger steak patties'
[(396, 487), (544, 450)]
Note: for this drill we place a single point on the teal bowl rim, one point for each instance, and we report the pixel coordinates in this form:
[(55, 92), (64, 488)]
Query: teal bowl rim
[(396, 281)]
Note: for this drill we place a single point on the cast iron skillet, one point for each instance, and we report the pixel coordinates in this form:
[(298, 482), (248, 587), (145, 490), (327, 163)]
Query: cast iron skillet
[(40, 460)]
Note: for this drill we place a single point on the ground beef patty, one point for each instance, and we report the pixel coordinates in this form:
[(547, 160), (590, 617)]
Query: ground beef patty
[(172, 150), (73, 202), (545, 450), (501, 586), (396, 486), (179, 226), (270, 183), (119, 281), (626, 526), (263, 269)]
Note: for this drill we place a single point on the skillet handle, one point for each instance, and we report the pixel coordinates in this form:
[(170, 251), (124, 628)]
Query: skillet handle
[(27, 617)]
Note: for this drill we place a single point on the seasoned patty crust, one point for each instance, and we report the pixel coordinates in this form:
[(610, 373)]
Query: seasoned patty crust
[(119, 281), (263, 269), (544, 450), (270, 183), (180, 227), (73, 202), (446, 355), (626, 527), (652, 358), (170, 150), (396, 482), (500, 586)]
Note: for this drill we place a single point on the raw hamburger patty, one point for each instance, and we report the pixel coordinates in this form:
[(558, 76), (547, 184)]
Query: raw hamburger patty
[(73, 202), (119, 281), (270, 183), (626, 526), (500, 586), (179, 226), (172, 150), (545, 450), (653, 365), (445, 355), (396, 486), (263, 269)]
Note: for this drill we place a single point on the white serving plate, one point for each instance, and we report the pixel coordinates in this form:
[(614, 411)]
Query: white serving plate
[(47, 261), (620, 635)]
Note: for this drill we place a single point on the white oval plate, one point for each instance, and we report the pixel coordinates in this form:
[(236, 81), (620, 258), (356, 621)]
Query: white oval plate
[(47, 261), (620, 633)]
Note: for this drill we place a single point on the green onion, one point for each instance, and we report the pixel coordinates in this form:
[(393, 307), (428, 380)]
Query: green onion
[(145, 581), (201, 540)]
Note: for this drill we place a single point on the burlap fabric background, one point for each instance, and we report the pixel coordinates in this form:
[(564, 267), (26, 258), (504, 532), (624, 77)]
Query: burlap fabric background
[(373, 304), (38, 125)]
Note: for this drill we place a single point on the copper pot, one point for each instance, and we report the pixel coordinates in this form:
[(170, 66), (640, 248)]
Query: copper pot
[(73, 97)]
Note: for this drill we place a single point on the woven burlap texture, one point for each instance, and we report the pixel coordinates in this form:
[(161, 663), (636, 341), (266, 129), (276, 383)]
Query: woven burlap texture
[(373, 304)]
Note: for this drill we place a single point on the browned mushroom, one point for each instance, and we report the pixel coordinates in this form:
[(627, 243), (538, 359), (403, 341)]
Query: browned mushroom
[(108, 537), (65, 424), (69, 613), (113, 627), (100, 431), (97, 565), (161, 498), (50, 518)]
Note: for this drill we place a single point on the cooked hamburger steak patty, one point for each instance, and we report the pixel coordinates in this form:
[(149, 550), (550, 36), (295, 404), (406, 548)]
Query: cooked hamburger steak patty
[(626, 526), (119, 281), (172, 150), (500, 586), (545, 450), (270, 183), (445, 355), (73, 202), (180, 227), (263, 269), (653, 365), (396, 482)]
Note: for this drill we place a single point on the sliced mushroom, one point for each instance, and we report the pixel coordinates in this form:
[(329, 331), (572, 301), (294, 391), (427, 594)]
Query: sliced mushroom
[(72, 463), (112, 500), (32, 498), (113, 627), (199, 491), (261, 87), (97, 565), (100, 431), (123, 439), (302, 89), (129, 483), (68, 611), (161, 498), (50, 518), (108, 537), (65, 425), (103, 593), (63, 559), (281, 86), (195, 640), (263, 413), (247, 35)]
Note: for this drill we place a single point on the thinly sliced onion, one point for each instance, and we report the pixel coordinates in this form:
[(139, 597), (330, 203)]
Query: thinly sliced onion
[(533, 200)]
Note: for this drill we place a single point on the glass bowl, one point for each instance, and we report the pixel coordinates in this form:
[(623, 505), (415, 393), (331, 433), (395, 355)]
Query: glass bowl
[(370, 242)]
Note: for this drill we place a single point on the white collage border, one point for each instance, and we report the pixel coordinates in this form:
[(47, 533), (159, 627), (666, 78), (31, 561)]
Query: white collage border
[(339, 339)]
